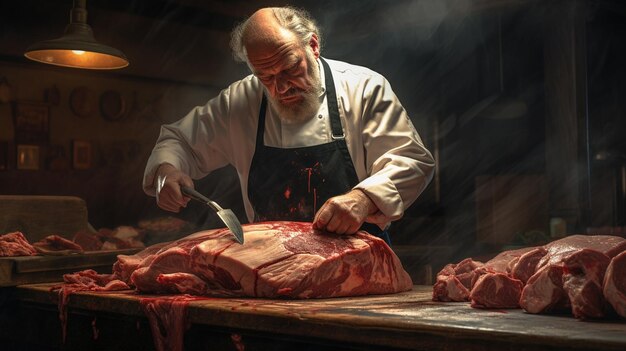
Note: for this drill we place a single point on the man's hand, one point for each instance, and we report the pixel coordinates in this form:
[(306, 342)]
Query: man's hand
[(346, 213), (168, 182)]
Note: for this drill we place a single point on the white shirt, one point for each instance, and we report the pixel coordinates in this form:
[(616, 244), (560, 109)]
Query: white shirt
[(390, 160)]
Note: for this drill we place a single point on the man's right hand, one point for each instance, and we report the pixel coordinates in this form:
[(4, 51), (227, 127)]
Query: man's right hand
[(168, 181)]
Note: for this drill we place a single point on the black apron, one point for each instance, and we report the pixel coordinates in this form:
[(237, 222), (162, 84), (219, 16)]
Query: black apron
[(292, 184)]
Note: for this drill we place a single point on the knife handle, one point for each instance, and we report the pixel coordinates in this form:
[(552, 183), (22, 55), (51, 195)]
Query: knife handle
[(193, 194)]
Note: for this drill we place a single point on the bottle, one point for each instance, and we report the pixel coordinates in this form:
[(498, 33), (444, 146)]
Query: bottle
[(558, 227)]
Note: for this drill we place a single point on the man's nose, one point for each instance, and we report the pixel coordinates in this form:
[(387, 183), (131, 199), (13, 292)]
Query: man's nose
[(282, 85)]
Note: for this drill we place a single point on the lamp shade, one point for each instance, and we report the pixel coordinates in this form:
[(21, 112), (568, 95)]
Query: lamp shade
[(77, 47)]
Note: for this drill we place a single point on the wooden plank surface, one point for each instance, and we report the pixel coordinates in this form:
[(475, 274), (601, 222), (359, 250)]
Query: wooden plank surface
[(39, 216), (406, 321), (42, 269)]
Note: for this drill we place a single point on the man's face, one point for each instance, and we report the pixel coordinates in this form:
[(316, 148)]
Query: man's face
[(290, 74)]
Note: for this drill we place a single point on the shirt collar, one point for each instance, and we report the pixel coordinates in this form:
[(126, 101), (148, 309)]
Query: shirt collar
[(322, 77)]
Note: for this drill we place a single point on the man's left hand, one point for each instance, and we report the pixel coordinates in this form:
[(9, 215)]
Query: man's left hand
[(344, 214)]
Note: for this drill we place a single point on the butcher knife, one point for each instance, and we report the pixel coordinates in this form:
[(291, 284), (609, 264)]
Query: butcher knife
[(227, 216)]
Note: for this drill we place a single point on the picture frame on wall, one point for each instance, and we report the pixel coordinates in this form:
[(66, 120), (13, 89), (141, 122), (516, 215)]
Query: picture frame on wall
[(28, 157), (31, 121), (81, 154)]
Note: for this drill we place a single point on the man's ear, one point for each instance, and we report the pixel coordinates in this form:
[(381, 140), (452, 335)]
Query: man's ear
[(315, 45)]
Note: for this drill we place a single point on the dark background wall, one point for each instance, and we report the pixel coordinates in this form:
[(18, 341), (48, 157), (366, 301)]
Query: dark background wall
[(522, 103)]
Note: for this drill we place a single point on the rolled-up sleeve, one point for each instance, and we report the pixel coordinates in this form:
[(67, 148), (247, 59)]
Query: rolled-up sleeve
[(399, 166), (196, 144)]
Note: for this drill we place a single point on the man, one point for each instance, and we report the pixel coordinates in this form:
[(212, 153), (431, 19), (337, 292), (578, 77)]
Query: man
[(312, 139)]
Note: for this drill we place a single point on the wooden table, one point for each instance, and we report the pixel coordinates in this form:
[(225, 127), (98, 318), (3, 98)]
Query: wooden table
[(393, 322), (19, 270)]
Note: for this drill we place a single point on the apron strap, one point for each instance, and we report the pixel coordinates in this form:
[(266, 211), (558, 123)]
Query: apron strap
[(333, 108), (260, 130)]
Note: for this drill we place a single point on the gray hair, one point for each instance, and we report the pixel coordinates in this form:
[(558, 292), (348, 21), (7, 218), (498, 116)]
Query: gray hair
[(296, 20)]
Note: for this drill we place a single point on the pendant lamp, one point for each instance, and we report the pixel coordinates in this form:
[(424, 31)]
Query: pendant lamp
[(77, 47)]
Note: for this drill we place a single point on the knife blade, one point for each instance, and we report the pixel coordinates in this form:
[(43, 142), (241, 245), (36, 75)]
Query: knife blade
[(226, 215)]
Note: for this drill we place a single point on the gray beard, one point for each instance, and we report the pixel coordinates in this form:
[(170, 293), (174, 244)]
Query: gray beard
[(310, 104)]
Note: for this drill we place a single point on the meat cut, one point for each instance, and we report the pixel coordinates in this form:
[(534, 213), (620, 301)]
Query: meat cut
[(168, 320), (15, 244), (122, 237), (496, 290), (570, 276), (454, 281), (278, 259), (564, 275), (486, 285), (493, 286), (615, 284), (81, 281), (55, 244)]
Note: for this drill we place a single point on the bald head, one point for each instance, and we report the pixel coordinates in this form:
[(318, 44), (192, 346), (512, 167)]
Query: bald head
[(264, 35), (271, 27), (263, 28)]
